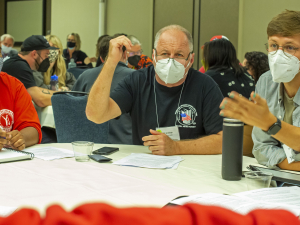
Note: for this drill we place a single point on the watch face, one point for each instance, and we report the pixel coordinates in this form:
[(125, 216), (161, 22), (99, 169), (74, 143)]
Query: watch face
[(275, 129)]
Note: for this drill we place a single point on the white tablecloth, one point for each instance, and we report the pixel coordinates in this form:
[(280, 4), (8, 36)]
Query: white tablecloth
[(38, 184)]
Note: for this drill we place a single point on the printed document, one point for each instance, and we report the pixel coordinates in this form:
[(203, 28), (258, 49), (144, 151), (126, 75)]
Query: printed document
[(150, 161), (51, 153), (287, 198)]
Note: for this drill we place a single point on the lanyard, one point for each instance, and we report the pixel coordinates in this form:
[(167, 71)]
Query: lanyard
[(156, 101)]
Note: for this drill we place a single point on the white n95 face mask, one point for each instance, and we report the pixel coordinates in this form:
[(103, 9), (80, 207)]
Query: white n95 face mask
[(169, 70), (284, 66), (5, 49)]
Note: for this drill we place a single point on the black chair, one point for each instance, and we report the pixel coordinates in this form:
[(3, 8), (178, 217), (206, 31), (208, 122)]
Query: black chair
[(71, 122), (77, 71)]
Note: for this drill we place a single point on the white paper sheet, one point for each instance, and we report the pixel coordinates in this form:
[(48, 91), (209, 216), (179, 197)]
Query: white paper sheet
[(150, 161), (284, 195), (51, 153), (239, 204), (6, 210)]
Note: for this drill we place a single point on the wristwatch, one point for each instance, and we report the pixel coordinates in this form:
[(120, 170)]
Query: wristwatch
[(274, 128)]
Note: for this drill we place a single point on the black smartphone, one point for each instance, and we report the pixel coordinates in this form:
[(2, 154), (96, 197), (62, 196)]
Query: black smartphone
[(105, 150), (99, 158)]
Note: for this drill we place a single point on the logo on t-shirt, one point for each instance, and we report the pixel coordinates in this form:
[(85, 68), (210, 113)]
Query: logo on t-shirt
[(6, 120), (185, 116)]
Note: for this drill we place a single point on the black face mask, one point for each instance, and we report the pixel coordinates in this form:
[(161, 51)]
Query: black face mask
[(71, 44), (44, 65), (134, 60)]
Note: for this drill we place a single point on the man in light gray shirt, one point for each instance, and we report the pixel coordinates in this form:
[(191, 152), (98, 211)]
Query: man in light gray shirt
[(274, 108)]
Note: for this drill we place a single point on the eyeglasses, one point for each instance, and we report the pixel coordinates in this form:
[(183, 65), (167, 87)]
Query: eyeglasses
[(272, 48), (179, 58), (135, 53)]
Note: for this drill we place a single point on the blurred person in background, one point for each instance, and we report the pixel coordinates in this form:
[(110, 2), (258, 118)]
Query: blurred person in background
[(73, 52), (33, 56), (221, 63), (256, 63), (97, 58), (136, 59), (202, 70), (7, 43), (120, 130), (66, 80)]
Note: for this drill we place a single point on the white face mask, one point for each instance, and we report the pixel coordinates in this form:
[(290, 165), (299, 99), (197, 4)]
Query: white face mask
[(5, 49), (169, 70), (284, 66)]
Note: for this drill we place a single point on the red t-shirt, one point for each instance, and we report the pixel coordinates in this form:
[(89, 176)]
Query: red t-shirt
[(16, 108)]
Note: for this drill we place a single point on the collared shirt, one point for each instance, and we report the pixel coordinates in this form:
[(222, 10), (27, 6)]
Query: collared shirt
[(267, 150)]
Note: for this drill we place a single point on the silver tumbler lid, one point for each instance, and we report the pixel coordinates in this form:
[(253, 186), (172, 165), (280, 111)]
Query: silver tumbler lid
[(232, 122)]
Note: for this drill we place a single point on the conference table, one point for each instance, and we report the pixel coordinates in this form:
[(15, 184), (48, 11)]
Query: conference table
[(38, 184)]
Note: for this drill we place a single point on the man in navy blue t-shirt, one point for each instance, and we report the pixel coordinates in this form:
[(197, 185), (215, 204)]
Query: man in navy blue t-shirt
[(168, 102)]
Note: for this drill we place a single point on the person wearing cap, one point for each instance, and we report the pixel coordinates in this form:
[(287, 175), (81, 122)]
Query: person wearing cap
[(19, 122), (7, 43), (33, 56)]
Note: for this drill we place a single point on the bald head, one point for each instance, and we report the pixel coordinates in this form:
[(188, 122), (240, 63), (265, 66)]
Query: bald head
[(175, 30)]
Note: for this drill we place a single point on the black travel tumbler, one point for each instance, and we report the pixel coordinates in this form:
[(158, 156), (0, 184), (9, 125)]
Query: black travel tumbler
[(232, 149)]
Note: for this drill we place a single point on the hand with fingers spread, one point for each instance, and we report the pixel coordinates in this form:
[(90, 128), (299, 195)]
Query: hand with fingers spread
[(116, 48), (160, 144), (254, 112), (4, 138), (16, 140)]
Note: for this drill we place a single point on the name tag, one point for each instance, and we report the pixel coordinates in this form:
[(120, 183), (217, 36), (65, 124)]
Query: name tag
[(172, 132)]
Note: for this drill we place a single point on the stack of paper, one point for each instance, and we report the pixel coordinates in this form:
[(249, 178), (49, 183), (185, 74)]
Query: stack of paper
[(287, 198), (150, 161), (50, 153)]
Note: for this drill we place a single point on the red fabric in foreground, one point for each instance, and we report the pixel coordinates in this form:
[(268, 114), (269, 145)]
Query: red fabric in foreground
[(190, 214)]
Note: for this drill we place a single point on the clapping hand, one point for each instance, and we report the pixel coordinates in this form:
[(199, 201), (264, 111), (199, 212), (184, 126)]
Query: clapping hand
[(254, 112)]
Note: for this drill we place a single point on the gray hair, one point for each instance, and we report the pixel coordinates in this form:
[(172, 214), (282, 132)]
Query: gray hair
[(7, 36), (175, 27), (134, 40)]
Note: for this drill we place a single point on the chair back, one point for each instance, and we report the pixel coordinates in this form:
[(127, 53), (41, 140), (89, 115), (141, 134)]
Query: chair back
[(248, 142), (77, 71), (71, 122)]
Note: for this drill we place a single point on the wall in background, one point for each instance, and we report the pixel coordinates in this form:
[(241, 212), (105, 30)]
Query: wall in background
[(244, 22), (255, 16), (2, 16), (219, 17), (133, 17), (31, 22), (76, 16)]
